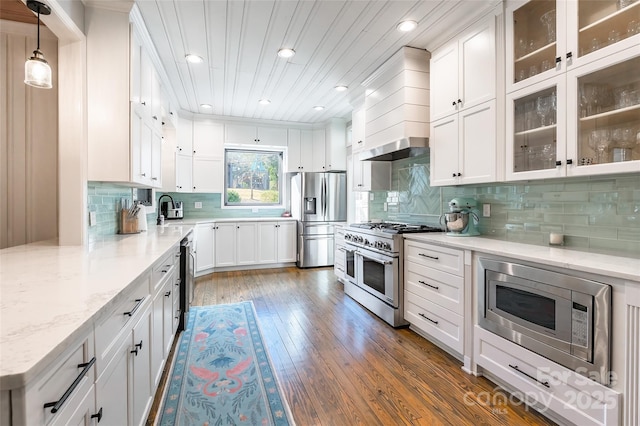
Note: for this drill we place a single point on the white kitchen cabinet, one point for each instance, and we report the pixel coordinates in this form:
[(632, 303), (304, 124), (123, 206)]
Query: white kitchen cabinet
[(205, 252), (208, 174), (548, 38), (370, 175), (111, 387), (463, 147), (247, 134), (123, 120), (246, 242), (140, 356), (564, 393), (434, 293), (464, 71), (81, 410), (463, 135), (335, 152), (225, 244), (318, 151), (184, 136), (358, 123), (299, 156), (208, 139), (184, 173), (339, 256), (277, 242)]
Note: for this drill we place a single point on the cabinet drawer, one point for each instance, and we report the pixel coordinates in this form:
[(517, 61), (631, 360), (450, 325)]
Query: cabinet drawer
[(546, 385), (434, 320), (436, 257), (440, 288), (163, 267), (106, 331), (77, 363)]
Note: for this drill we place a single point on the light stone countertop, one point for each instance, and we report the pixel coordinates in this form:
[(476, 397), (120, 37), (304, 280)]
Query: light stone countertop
[(625, 268), (51, 296), (197, 221)]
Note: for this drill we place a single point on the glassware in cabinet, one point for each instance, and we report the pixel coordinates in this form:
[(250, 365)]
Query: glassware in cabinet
[(602, 23), (534, 39), (608, 122)]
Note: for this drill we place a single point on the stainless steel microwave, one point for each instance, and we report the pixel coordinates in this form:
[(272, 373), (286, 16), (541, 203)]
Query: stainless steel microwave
[(561, 317)]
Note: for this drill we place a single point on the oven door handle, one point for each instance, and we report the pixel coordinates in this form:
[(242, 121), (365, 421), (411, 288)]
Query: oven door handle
[(383, 262)]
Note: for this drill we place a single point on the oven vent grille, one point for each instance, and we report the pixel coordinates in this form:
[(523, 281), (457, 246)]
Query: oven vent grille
[(632, 387)]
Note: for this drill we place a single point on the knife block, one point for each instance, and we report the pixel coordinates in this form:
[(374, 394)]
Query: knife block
[(128, 224)]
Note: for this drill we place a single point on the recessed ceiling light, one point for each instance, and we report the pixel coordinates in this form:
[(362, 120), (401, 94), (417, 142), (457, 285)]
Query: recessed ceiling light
[(341, 88), (406, 26), (194, 59), (318, 107), (286, 52), (206, 106), (264, 101)]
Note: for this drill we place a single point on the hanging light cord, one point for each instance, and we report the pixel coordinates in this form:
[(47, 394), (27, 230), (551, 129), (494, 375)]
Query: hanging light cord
[(38, 48)]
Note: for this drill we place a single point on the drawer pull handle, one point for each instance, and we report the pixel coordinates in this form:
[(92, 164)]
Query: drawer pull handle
[(98, 415), (429, 285), (427, 318), (58, 404), (166, 269), (167, 294), (430, 257), (515, 367), (135, 308), (138, 347)]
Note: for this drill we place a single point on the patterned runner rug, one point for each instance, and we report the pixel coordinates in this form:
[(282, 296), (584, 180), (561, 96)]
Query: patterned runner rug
[(222, 373)]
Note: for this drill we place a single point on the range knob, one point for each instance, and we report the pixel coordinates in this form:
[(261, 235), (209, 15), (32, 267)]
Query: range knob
[(387, 246), (379, 244), (360, 239), (366, 242)]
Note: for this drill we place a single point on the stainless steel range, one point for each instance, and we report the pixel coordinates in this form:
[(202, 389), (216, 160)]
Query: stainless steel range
[(374, 265)]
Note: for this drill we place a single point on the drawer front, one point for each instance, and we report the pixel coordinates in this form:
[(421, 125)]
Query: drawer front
[(540, 381), (435, 321), (447, 293), (77, 363), (121, 317), (436, 257), (165, 266)]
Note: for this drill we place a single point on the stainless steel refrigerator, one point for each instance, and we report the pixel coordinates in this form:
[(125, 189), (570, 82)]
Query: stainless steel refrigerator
[(319, 202)]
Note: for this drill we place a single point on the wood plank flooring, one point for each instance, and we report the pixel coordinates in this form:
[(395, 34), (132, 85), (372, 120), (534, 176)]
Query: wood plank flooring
[(340, 365)]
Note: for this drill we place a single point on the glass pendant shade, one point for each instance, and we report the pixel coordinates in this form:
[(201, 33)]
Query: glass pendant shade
[(37, 72)]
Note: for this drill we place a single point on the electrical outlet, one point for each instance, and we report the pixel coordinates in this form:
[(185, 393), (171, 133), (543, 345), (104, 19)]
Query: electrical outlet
[(92, 218), (486, 210), (197, 205), (372, 196), (385, 207)]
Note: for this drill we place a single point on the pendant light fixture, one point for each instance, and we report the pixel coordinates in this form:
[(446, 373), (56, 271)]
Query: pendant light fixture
[(37, 72)]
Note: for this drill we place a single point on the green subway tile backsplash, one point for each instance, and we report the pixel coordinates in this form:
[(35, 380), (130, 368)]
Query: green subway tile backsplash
[(105, 199), (211, 207), (598, 213)]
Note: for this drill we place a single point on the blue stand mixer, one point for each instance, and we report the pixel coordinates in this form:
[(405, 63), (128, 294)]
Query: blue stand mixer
[(462, 218)]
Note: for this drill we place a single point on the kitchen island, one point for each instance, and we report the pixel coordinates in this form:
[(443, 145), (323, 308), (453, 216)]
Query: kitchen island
[(52, 295)]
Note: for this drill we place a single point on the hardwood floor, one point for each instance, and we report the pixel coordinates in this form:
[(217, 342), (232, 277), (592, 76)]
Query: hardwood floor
[(340, 365)]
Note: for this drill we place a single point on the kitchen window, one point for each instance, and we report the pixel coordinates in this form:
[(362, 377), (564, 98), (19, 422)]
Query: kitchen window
[(253, 177)]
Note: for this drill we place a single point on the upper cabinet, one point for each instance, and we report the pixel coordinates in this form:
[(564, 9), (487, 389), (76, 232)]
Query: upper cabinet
[(463, 132), (124, 100), (299, 147), (208, 139), (571, 106), (246, 134), (464, 71)]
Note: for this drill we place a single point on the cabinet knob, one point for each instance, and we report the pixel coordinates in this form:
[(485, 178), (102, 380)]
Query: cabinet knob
[(558, 59), (179, 187), (453, 103), (194, 187), (569, 55), (143, 103), (459, 174), (194, 152), (167, 294), (454, 174), (569, 161), (179, 149), (155, 117), (153, 178), (459, 101), (143, 174), (558, 163)]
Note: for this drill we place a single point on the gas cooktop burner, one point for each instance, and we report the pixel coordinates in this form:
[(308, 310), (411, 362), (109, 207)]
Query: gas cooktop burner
[(395, 228)]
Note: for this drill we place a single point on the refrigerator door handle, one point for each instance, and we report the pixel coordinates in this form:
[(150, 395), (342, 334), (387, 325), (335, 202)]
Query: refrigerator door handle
[(323, 196)]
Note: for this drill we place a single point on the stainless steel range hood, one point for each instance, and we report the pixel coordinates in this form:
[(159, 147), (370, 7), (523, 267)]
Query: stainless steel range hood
[(397, 150)]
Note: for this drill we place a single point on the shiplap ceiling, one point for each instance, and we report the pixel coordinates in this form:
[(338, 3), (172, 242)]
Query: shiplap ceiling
[(337, 42)]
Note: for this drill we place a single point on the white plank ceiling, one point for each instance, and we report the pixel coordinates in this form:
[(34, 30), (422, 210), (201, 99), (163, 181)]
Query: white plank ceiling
[(337, 42)]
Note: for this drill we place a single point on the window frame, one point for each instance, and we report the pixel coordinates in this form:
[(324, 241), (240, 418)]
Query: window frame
[(282, 151)]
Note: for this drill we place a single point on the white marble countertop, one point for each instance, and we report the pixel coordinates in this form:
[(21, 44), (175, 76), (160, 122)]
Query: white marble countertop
[(625, 268), (196, 221), (51, 295)]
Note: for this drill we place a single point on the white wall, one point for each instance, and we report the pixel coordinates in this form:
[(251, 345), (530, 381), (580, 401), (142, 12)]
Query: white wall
[(28, 140)]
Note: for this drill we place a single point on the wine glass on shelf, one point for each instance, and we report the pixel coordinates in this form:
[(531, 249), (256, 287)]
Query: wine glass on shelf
[(543, 107), (599, 141), (548, 19)]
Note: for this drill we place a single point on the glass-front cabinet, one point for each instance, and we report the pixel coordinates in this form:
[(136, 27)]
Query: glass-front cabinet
[(573, 88), (548, 37)]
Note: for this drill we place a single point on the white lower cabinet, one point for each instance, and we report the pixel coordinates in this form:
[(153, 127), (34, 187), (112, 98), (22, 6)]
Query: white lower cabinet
[(225, 244), (140, 358), (434, 293), (339, 257), (555, 391), (246, 239), (205, 252), (276, 242)]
